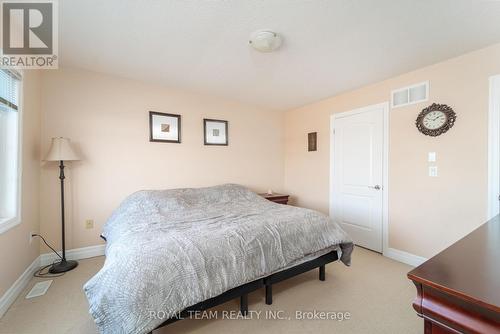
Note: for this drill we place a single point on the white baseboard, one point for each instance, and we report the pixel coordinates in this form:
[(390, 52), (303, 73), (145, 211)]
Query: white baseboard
[(45, 259), (401, 256), (74, 254), (15, 290)]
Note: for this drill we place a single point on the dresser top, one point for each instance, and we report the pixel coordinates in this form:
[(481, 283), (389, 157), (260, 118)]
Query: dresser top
[(468, 269), (273, 195)]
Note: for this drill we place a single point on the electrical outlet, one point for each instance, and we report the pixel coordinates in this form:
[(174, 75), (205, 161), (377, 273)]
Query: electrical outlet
[(89, 224), (31, 237)]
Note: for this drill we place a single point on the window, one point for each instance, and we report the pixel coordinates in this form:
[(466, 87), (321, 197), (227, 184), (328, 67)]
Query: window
[(9, 149)]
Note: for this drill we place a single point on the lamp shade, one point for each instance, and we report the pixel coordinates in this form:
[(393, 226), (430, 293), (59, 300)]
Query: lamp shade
[(60, 150)]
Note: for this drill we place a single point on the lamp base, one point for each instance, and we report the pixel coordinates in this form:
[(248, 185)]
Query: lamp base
[(63, 266)]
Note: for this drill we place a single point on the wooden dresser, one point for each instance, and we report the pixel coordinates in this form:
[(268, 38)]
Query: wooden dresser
[(276, 198), (458, 290)]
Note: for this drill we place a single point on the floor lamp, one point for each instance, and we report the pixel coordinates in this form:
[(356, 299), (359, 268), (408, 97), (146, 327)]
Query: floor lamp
[(61, 151)]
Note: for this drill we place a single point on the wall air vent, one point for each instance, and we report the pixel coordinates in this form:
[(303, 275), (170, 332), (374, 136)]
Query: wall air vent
[(410, 95)]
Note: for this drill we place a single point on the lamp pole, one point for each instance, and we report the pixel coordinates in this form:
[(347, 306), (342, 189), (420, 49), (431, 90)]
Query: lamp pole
[(64, 265), (61, 177)]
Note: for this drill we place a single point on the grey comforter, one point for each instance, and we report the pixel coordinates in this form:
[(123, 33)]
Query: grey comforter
[(167, 250)]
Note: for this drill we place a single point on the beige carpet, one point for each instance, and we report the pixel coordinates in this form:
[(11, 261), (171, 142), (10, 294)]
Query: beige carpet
[(374, 290)]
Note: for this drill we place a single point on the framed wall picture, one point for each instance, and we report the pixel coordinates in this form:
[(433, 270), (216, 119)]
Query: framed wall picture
[(215, 132), (164, 127), (312, 141)]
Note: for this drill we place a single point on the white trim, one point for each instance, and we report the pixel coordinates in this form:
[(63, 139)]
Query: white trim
[(19, 285), (20, 150), (332, 161), (385, 173), (8, 223), (404, 257), (45, 259), (385, 217), (494, 148), (426, 83), (11, 222), (74, 254)]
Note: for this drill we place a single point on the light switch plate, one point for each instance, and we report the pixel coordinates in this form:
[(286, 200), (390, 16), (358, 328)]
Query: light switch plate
[(432, 157), (433, 171)]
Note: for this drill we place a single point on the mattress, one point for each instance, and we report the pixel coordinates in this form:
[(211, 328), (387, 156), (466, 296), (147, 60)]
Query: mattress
[(170, 249)]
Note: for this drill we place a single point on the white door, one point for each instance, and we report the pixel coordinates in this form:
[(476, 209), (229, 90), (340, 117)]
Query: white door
[(357, 199)]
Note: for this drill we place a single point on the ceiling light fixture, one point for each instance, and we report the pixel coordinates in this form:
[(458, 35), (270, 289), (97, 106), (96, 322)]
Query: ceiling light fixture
[(265, 41)]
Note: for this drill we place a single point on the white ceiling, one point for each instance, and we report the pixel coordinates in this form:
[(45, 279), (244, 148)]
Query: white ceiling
[(330, 45)]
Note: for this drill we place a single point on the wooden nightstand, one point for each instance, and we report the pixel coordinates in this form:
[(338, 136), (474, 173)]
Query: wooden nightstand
[(276, 198)]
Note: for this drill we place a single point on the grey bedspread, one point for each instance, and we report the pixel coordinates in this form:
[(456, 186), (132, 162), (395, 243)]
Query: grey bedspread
[(170, 249)]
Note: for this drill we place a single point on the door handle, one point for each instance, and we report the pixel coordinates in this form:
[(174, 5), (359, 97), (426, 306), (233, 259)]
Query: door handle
[(376, 187)]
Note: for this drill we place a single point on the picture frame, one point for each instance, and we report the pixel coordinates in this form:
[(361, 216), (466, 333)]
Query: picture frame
[(215, 132), (312, 141), (164, 128)]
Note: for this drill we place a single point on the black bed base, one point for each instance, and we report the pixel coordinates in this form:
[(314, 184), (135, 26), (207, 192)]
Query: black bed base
[(242, 291)]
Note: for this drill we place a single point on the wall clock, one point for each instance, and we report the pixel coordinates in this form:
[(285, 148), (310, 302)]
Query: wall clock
[(436, 119)]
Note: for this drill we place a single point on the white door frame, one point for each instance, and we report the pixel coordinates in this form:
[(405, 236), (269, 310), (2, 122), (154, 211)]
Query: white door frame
[(494, 147), (385, 183)]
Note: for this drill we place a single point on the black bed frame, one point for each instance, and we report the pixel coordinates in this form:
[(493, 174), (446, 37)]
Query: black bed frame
[(267, 282)]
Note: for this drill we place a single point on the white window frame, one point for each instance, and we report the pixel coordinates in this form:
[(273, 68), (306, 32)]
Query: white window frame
[(407, 88), (8, 223)]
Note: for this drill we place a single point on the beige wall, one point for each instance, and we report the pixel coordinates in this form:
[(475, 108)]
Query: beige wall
[(425, 214), (107, 119), (16, 254)]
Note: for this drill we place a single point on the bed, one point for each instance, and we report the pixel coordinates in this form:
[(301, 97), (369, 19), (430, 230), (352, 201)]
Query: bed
[(169, 251)]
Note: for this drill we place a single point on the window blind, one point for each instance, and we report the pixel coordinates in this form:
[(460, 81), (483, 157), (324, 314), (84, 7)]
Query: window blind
[(10, 85), (9, 90)]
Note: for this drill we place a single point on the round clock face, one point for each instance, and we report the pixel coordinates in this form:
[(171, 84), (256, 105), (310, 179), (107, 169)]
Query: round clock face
[(436, 120)]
